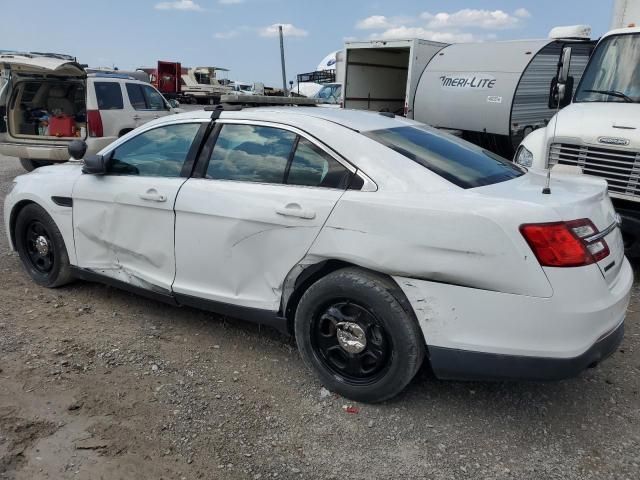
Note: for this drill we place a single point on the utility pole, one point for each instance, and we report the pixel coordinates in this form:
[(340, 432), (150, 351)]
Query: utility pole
[(284, 72)]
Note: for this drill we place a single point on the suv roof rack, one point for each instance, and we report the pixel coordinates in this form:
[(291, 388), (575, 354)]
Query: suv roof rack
[(122, 76)]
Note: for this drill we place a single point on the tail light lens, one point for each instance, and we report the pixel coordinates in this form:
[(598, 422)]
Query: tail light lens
[(94, 123), (565, 244)]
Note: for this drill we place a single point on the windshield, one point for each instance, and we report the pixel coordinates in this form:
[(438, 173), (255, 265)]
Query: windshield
[(203, 78), (330, 93), (457, 161), (613, 74)]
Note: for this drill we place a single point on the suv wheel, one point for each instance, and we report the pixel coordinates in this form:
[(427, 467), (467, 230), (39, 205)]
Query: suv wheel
[(357, 331), (41, 247)]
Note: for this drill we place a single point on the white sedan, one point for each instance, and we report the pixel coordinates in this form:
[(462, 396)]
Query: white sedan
[(377, 241)]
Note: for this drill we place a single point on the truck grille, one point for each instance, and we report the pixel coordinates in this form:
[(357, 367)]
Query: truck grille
[(620, 168)]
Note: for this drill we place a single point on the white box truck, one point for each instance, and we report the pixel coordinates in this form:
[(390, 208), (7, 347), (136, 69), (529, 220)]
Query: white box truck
[(599, 132), (382, 75)]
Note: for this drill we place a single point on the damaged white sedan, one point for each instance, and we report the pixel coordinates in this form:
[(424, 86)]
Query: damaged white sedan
[(377, 241)]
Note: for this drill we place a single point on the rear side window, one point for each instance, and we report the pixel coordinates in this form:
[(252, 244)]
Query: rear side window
[(455, 160), (314, 168), (251, 153), (155, 101), (136, 97), (109, 95)]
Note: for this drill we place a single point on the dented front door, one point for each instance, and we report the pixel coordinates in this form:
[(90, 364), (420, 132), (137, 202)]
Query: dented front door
[(123, 228), (124, 220)]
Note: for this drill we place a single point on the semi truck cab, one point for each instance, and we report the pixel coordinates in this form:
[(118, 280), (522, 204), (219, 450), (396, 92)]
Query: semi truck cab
[(599, 132)]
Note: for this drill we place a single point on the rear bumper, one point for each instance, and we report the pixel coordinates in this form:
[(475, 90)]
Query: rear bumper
[(51, 152), (475, 333), (448, 363)]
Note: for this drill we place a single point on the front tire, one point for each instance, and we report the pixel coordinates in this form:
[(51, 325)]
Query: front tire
[(357, 331), (30, 165), (41, 247)]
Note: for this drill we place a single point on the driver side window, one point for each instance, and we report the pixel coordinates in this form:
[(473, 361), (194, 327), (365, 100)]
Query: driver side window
[(160, 152)]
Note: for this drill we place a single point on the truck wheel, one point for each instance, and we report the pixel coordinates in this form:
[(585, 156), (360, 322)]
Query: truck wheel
[(30, 165), (41, 247), (357, 331)]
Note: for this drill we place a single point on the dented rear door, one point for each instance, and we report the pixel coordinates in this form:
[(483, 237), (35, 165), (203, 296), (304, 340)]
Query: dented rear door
[(245, 225)]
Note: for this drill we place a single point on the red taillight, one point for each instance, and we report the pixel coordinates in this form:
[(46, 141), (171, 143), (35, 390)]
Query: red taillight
[(94, 123), (565, 244)]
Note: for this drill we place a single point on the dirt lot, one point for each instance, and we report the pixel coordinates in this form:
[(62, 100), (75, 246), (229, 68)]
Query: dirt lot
[(96, 383)]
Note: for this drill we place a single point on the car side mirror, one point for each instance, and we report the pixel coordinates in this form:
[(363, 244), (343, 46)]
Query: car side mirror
[(95, 165), (174, 103), (77, 149)]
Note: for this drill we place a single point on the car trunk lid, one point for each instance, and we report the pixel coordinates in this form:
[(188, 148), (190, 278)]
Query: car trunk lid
[(41, 64), (572, 197)]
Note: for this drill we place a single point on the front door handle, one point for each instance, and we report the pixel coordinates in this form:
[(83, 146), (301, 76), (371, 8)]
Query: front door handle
[(152, 195), (295, 210), (136, 117)]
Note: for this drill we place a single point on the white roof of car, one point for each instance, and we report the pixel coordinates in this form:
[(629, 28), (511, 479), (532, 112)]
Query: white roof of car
[(359, 120)]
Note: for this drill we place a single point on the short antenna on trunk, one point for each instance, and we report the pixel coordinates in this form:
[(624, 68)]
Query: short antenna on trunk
[(547, 189)]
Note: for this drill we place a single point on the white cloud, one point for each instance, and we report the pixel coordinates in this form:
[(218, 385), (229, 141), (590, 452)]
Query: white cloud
[(230, 2), (269, 31), (469, 17), (374, 22), (229, 34), (452, 27), (288, 30), (522, 13), (179, 5), (419, 32)]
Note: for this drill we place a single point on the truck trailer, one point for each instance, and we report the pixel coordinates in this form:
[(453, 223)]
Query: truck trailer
[(490, 93), (382, 75)]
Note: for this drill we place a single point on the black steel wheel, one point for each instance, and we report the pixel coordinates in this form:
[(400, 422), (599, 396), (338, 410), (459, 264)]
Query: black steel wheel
[(350, 341), (41, 247), (357, 331)]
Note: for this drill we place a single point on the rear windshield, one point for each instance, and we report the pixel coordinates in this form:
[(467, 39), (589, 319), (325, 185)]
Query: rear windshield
[(455, 160)]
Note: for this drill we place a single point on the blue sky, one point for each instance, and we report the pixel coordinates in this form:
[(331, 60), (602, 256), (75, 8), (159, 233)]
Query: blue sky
[(240, 34)]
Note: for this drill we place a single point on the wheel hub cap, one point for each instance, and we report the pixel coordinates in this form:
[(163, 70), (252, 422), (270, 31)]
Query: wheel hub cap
[(42, 245), (351, 337)]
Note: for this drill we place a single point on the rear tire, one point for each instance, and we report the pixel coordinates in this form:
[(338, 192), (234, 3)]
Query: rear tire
[(357, 331), (30, 165), (41, 247)]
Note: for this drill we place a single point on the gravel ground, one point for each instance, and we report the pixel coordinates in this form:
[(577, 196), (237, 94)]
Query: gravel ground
[(99, 383)]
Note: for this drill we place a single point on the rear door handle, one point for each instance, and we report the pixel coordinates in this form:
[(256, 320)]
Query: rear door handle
[(152, 195), (295, 210)]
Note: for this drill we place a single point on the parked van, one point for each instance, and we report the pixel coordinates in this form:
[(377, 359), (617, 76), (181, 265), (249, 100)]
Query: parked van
[(48, 100)]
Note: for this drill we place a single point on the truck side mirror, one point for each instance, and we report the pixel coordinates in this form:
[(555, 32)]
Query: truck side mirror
[(563, 74), (77, 149), (561, 89), (95, 165)]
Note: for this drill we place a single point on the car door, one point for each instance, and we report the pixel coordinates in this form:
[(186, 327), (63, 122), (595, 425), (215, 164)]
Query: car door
[(147, 103), (123, 221), (264, 196)]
